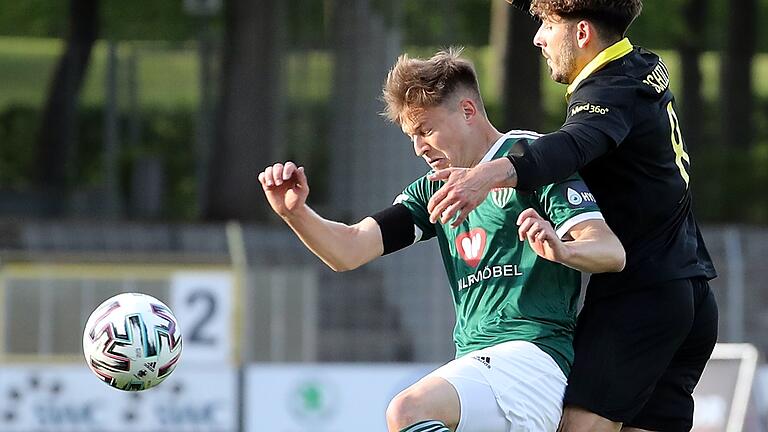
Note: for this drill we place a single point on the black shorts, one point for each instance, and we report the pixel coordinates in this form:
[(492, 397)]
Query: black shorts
[(640, 354)]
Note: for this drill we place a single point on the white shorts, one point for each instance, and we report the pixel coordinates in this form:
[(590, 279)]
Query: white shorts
[(510, 387)]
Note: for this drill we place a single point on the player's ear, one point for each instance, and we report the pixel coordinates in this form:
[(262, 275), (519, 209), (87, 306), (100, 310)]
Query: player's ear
[(585, 32), (468, 108)]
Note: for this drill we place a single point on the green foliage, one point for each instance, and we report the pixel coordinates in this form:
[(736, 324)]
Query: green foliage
[(659, 26), (146, 20), (309, 137), (427, 22), (725, 185), (168, 135), (308, 22), (25, 68), (165, 134), (43, 18), (167, 75), (474, 27), (18, 128), (136, 19), (168, 98), (446, 22), (726, 178)]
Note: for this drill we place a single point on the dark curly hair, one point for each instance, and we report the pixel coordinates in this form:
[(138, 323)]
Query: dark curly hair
[(613, 15)]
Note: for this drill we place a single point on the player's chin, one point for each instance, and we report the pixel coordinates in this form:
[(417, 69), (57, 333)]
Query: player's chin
[(440, 165), (560, 78)]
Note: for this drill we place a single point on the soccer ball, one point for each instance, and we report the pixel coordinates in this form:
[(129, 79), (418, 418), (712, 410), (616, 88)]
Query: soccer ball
[(132, 341)]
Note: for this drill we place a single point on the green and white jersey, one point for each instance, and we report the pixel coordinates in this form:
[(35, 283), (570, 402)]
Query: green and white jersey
[(501, 289)]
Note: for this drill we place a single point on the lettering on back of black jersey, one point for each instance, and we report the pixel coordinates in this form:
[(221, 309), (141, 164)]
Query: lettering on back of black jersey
[(658, 78)]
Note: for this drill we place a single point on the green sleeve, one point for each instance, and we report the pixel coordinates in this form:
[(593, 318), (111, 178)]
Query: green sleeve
[(568, 203), (415, 198)]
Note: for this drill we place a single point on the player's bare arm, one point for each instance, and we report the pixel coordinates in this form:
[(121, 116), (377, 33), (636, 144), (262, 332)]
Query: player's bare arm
[(589, 246), (342, 247), (466, 188)]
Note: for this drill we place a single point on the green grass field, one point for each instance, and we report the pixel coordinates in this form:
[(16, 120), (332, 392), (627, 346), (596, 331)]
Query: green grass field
[(168, 75)]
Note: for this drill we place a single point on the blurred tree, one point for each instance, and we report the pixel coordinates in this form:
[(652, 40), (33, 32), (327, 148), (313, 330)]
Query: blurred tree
[(42, 18), (133, 20), (247, 124), (736, 73), (691, 44), (521, 70), (444, 23), (308, 23), (57, 128), (147, 20), (658, 26)]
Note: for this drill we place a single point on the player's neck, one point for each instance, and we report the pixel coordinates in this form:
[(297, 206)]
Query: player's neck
[(586, 55), (487, 137)]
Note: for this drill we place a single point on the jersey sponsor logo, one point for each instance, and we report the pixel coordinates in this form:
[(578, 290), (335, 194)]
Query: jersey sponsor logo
[(589, 108), (471, 246), (497, 271), (576, 198), (501, 196), (485, 360)]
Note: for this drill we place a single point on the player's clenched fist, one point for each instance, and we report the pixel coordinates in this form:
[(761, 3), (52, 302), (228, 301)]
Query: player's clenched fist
[(541, 236), (285, 186)]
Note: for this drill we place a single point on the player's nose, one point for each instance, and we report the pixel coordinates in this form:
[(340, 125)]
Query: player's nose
[(419, 145), (538, 39)]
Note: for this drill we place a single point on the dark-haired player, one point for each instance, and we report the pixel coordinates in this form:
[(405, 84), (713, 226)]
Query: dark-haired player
[(646, 333)]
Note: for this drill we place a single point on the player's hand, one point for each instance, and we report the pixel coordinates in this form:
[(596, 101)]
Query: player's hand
[(463, 191), (285, 186), (541, 236)]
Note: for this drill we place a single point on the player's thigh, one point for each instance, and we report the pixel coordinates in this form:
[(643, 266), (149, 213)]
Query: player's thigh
[(670, 407), (623, 346), (576, 419), (459, 395), (513, 386), (431, 398)]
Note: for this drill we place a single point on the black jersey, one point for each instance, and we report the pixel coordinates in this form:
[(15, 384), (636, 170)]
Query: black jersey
[(622, 134)]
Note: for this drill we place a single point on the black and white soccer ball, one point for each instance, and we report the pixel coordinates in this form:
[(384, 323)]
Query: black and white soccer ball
[(132, 341)]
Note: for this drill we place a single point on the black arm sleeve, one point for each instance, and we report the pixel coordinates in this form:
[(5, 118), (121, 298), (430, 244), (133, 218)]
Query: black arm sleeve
[(556, 156), (396, 225)]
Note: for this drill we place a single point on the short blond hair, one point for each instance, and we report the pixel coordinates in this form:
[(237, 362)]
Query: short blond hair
[(415, 84)]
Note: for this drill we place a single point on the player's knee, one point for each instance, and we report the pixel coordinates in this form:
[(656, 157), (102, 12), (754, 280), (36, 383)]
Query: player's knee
[(406, 409)]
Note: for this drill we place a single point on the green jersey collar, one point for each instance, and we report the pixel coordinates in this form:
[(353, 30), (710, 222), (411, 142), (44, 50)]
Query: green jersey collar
[(613, 52)]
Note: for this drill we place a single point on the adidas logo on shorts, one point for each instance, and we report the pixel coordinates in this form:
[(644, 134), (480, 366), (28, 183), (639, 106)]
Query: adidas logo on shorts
[(484, 360)]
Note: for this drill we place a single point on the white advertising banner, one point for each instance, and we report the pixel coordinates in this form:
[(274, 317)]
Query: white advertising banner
[(723, 395), (202, 303), (57, 398), (318, 398)]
